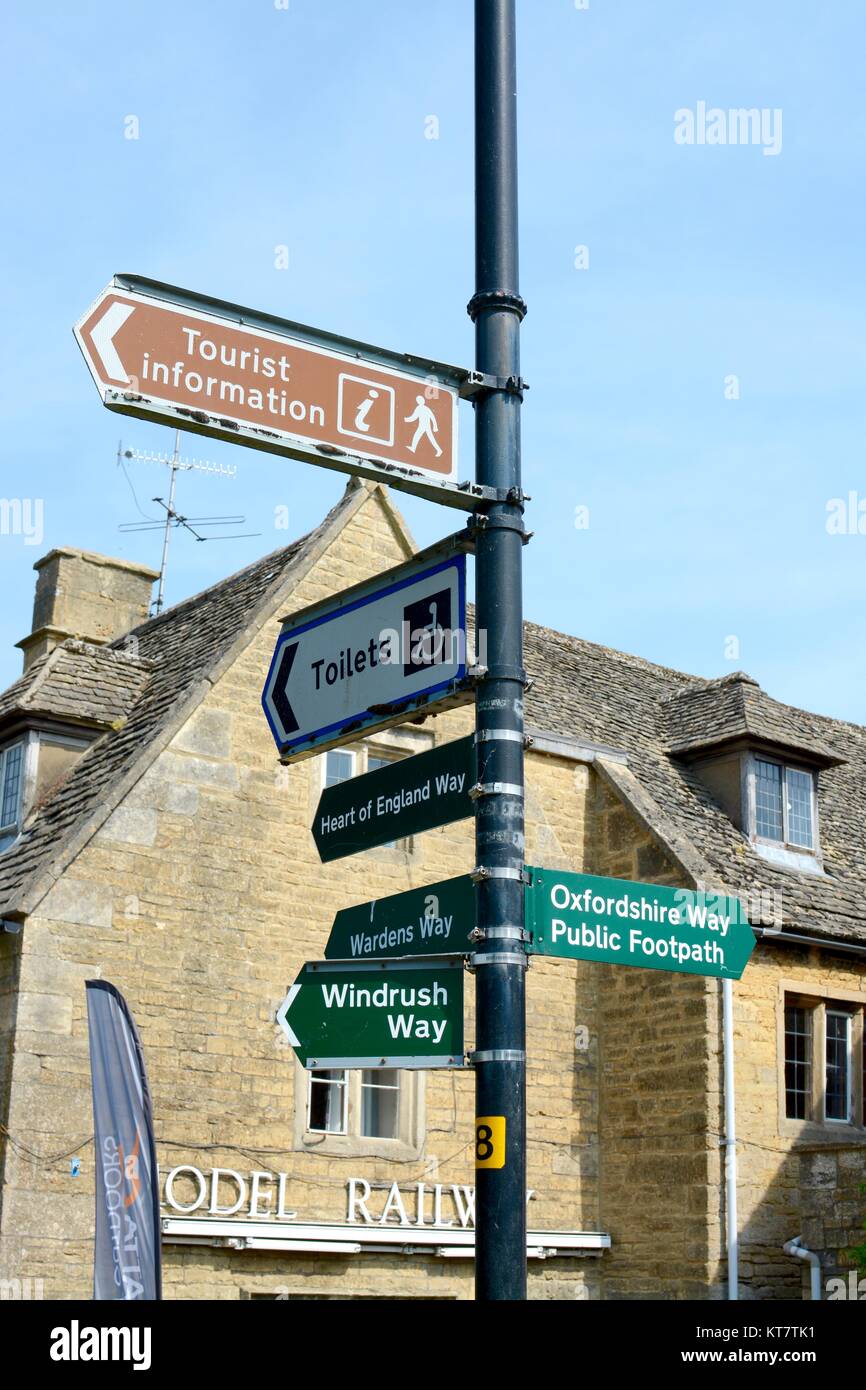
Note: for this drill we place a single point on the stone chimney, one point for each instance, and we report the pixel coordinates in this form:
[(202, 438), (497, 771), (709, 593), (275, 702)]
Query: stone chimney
[(80, 594)]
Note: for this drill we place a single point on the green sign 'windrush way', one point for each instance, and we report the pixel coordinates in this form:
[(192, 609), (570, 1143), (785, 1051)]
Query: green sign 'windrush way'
[(404, 798), (376, 1014), (583, 917), (435, 920)]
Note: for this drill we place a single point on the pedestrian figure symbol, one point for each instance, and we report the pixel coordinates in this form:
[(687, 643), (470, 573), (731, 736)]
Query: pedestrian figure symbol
[(426, 426)]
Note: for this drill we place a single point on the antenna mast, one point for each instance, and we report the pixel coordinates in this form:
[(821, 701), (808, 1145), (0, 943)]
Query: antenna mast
[(173, 518), (169, 514)]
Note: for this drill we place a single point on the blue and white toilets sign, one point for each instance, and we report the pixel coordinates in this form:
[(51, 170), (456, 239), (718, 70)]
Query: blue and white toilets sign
[(369, 657)]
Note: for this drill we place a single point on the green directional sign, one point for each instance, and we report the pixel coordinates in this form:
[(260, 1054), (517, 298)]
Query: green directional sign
[(376, 1014), (404, 798), (435, 920), (583, 917)]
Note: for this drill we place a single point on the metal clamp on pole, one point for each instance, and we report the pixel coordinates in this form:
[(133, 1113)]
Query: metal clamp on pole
[(496, 1054), (482, 873), (494, 789), (502, 736), (499, 958), (499, 933), (501, 521), (507, 673), (478, 384)]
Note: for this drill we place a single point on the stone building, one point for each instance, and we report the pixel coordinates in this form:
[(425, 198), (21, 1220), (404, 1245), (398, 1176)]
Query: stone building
[(150, 837)]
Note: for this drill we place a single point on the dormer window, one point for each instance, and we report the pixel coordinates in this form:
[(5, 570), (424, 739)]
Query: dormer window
[(11, 784), (780, 811), (759, 760), (784, 804)]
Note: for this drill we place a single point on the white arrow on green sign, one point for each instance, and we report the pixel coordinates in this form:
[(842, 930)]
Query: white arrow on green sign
[(584, 917), (371, 1014), (435, 920)]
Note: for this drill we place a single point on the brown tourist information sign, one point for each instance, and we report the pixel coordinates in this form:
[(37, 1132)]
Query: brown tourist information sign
[(214, 368)]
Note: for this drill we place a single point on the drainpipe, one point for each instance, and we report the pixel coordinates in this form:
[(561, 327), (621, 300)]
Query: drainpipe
[(730, 1142), (798, 1251)]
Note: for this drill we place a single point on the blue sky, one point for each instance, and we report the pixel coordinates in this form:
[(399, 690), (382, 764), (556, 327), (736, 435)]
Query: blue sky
[(306, 127)]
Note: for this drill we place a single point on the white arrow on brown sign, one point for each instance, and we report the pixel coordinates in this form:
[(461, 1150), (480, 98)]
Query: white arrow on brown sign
[(222, 370)]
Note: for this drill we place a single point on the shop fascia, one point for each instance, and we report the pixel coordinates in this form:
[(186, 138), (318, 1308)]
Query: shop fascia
[(261, 1195)]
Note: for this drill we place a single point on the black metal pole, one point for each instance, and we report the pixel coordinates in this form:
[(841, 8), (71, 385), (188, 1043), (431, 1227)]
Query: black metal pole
[(500, 959)]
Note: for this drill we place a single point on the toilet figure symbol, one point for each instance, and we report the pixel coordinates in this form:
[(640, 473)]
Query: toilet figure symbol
[(426, 426)]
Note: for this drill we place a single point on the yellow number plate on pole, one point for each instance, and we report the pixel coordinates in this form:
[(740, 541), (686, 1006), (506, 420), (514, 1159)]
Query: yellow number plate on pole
[(490, 1141)]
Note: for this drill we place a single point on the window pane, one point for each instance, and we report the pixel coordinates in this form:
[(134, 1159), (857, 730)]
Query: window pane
[(339, 767), (11, 784), (838, 1079), (373, 763), (327, 1113), (799, 789), (380, 1102), (768, 800), (798, 1062)]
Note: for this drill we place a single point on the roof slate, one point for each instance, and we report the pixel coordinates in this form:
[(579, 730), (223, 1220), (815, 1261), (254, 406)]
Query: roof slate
[(91, 685), (734, 707), (582, 691), (608, 697)]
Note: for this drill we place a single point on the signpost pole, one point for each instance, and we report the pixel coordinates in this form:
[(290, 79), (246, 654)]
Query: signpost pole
[(500, 960)]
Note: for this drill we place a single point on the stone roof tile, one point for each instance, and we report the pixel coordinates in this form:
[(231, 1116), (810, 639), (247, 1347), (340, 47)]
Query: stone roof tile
[(77, 682), (603, 696), (735, 707)]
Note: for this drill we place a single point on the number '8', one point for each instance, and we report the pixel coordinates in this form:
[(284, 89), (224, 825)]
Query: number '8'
[(483, 1145)]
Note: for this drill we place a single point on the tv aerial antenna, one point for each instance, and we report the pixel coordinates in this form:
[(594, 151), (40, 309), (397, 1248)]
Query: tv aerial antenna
[(174, 519)]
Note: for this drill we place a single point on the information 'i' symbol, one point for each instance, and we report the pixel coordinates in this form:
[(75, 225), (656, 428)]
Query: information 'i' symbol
[(361, 421)]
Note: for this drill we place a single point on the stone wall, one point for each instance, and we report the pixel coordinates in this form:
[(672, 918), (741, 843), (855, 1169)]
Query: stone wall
[(659, 1194), (832, 1199), (772, 1189), (10, 955)]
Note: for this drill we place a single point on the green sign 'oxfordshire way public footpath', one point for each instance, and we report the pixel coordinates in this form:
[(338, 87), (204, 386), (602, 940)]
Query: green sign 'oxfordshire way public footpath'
[(570, 915), (404, 798), (583, 917), (376, 1014), (430, 921)]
